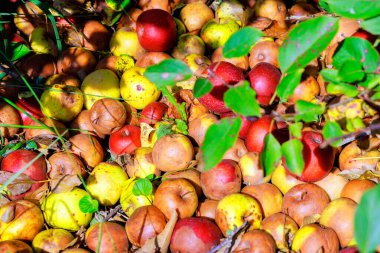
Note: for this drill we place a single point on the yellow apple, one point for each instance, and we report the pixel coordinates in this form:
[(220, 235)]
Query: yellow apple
[(215, 34), (52, 240), (105, 183), (142, 165), (124, 41)]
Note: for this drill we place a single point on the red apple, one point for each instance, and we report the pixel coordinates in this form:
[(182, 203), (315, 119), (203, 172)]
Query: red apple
[(352, 249), (195, 235), (257, 132), (153, 113), (125, 141), (264, 78), (245, 124), (31, 106), (156, 30), (318, 161), (18, 159), (365, 35), (222, 180), (220, 75)]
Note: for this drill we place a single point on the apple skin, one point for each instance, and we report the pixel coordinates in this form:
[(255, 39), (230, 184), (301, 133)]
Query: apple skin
[(220, 73), (126, 140), (52, 240), (256, 240), (257, 131), (222, 180), (207, 208), (355, 189), (153, 113), (245, 123), (17, 159), (195, 234), (264, 78), (283, 179), (15, 246), (156, 30), (365, 35), (318, 162)]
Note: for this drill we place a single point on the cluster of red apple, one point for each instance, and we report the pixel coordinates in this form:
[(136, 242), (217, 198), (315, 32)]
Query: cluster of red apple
[(187, 209)]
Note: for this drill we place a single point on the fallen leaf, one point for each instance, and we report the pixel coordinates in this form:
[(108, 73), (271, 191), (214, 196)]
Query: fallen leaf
[(64, 183), (20, 185), (9, 214)]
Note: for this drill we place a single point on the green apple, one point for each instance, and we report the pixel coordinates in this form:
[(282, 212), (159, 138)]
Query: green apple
[(136, 89), (235, 10), (215, 34), (100, 83), (234, 209), (39, 41), (106, 182), (62, 102), (129, 201), (61, 210), (188, 44)]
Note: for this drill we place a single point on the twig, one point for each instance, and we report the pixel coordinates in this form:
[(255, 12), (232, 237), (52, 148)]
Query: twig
[(228, 243), (112, 213)]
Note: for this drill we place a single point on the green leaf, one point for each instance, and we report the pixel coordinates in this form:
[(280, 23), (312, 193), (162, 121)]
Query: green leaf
[(288, 84), (241, 42), (168, 72), (306, 41), (219, 138), (117, 5), (332, 130), (164, 129), (307, 111), (181, 126), (372, 25), (295, 129), (357, 49), (143, 187), (88, 205), (351, 71), (202, 86), (271, 154), (354, 124), (241, 99), (370, 81), (358, 9), (17, 51), (342, 88), (367, 223), (330, 75), (31, 144), (376, 96), (292, 152)]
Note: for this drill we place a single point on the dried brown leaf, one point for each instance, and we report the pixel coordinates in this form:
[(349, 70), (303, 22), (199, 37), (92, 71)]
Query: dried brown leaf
[(9, 214), (64, 183), (20, 185)]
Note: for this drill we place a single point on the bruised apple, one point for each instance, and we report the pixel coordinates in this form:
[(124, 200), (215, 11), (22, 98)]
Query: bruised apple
[(52, 240), (88, 148), (15, 246)]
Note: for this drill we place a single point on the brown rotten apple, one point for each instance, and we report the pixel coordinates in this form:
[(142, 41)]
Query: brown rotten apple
[(15, 246), (221, 74), (52, 240), (178, 195), (195, 234), (156, 30), (88, 148), (256, 241)]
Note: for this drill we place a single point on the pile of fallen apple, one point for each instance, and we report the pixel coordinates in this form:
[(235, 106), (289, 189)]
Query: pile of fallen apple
[(101, 120)]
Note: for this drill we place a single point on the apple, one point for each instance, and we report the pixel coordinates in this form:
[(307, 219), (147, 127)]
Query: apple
[(21, 219), (63, 78), (145, 223), (355, 189), (39, 66), (303, 201), (125, 41), (197, 63), (198, 126), (61, 210), (264, 78), (136, 89), (107, 237), (76, 61), (352, 249), (250, 168), (268, 195), (339, 215), (156, 30), (117, 64), (307, 90), (105, 183), (75, 250), (52, 240), (245, 123), (233, 210), (220, 75), (65, 163), (172, 152), (283, 179), (259, 240), (18, 160), (237, 151), (241, 62), (193, 175), (313, 237), (318, 161), (40, 42), (207, 208), (333, 183), (125, 141), (195, 234), (88, 148), (222, 180), (129, 201), (195, 14), (282, 228), (216, 33), (178, 195), (151, 58), (15, 246), (266, 50), (188, 44), (9, 115), (153, 113), (257, 131), (365, 35), (141, 165), (31, 106)]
